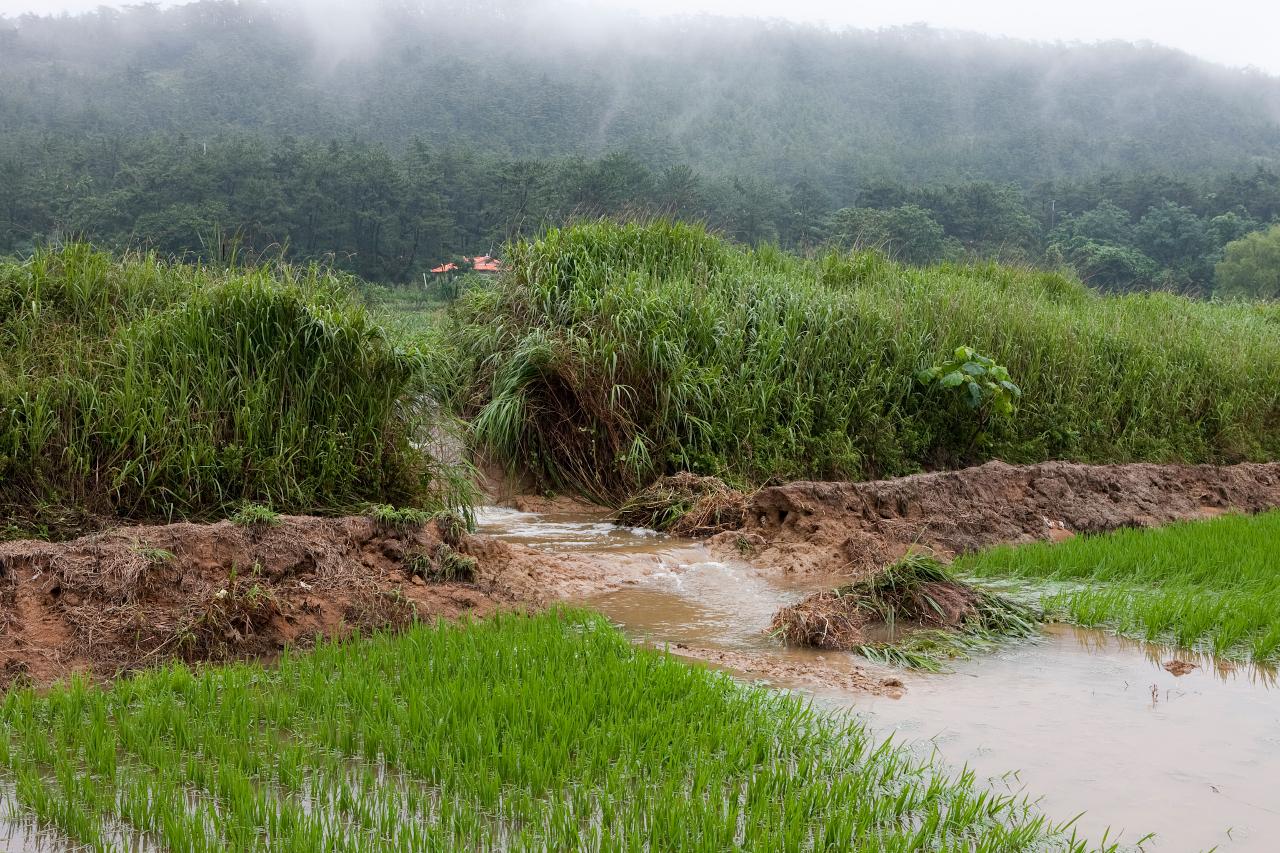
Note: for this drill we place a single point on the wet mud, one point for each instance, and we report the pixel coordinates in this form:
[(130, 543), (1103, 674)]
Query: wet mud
[(853, 529), (138, 596)]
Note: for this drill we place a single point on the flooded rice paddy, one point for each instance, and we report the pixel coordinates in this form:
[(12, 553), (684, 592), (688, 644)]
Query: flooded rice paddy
[(1092, 723)]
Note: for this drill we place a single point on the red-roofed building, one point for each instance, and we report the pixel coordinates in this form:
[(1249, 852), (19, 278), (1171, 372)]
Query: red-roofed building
[(480, 263)]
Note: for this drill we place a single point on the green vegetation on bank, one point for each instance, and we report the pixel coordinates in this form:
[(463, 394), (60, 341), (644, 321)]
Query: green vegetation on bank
[(524, 733), (137, 388), (608, 355), (1212, 585)]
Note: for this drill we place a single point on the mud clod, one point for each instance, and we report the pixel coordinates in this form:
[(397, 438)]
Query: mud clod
[(1180, 668), (686, 505), (917, 593)]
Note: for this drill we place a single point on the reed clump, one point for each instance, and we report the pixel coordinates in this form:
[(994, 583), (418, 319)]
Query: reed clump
[(930, 614), (608, 355), (135, 388), (685, 504)]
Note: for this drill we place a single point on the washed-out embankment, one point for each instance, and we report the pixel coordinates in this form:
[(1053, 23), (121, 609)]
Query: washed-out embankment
[(136, 596)]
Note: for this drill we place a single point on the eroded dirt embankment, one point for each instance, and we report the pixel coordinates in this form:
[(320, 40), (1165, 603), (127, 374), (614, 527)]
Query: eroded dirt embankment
[(848, 530), (136, 596)]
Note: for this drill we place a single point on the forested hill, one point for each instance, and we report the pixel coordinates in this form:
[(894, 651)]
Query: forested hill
[(514, 80)]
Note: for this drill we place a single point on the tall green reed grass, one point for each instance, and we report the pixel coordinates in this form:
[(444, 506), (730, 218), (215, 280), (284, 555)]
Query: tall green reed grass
[(609, 354), (137, 388), (550, 732), (1208, 585)]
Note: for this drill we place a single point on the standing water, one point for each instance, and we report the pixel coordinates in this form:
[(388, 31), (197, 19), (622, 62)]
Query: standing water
[(1092, 723)]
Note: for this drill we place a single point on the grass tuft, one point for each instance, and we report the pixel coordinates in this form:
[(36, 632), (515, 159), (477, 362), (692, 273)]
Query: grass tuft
[(929, 614), (391, 518), (255, 515)]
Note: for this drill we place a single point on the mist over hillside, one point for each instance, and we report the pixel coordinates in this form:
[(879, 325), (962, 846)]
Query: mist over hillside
[(535, 81)]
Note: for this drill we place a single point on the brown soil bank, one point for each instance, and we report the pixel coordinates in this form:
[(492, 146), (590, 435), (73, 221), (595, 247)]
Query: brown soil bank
[(851, 529), (135, 596)]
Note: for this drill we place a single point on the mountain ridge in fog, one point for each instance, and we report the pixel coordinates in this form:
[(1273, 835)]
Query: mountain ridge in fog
[(784, 101)]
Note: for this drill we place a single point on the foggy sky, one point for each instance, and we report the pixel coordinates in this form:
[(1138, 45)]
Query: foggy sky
[(1232, 32)]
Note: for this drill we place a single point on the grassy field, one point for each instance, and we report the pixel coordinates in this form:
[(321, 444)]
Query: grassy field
[(609, 354), (545, 732), (1212, 585), (137, 388)]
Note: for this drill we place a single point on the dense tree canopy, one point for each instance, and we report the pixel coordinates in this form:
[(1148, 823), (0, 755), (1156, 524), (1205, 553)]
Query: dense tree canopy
[(391, 217), (1251, 266)]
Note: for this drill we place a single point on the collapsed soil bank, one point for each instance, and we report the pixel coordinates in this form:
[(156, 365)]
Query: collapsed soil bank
[(848, 530), (137, 596)]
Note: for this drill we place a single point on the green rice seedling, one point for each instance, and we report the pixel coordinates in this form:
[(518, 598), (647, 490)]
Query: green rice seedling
[(607, 356), (521, 732), (1212, 585)]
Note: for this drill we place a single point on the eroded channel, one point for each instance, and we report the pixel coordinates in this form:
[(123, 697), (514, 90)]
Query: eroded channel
[(1092, 723)]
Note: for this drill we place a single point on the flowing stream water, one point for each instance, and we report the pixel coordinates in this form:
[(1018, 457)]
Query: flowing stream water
[(1091, 723)]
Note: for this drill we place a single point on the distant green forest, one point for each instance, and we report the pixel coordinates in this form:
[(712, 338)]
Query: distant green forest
[(416, 132), (389, 218)]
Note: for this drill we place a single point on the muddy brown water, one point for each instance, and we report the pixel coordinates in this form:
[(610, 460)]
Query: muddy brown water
[(1090, 723)]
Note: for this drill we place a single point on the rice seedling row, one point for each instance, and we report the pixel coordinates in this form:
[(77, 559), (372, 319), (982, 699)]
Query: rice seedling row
[(521, 732), (1208, 585)]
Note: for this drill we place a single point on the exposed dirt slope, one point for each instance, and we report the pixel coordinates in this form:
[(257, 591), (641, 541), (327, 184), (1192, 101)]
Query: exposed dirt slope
[(139, 595), (850, 529)]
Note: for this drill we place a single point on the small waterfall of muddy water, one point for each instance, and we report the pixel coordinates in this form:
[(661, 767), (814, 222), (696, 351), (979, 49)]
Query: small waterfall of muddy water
[(1091, 723)]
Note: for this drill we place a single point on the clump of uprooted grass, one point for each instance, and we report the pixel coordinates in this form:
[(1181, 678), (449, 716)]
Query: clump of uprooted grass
[(607, 356), (1207, 585), (134, 388), (685, 504), (548, 732), (931, 612)]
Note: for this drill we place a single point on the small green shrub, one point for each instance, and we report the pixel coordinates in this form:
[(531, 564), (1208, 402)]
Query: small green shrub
[(453, 528), (985, 385), (443, 564), (987, 393), (255, 515), (390, 517)]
